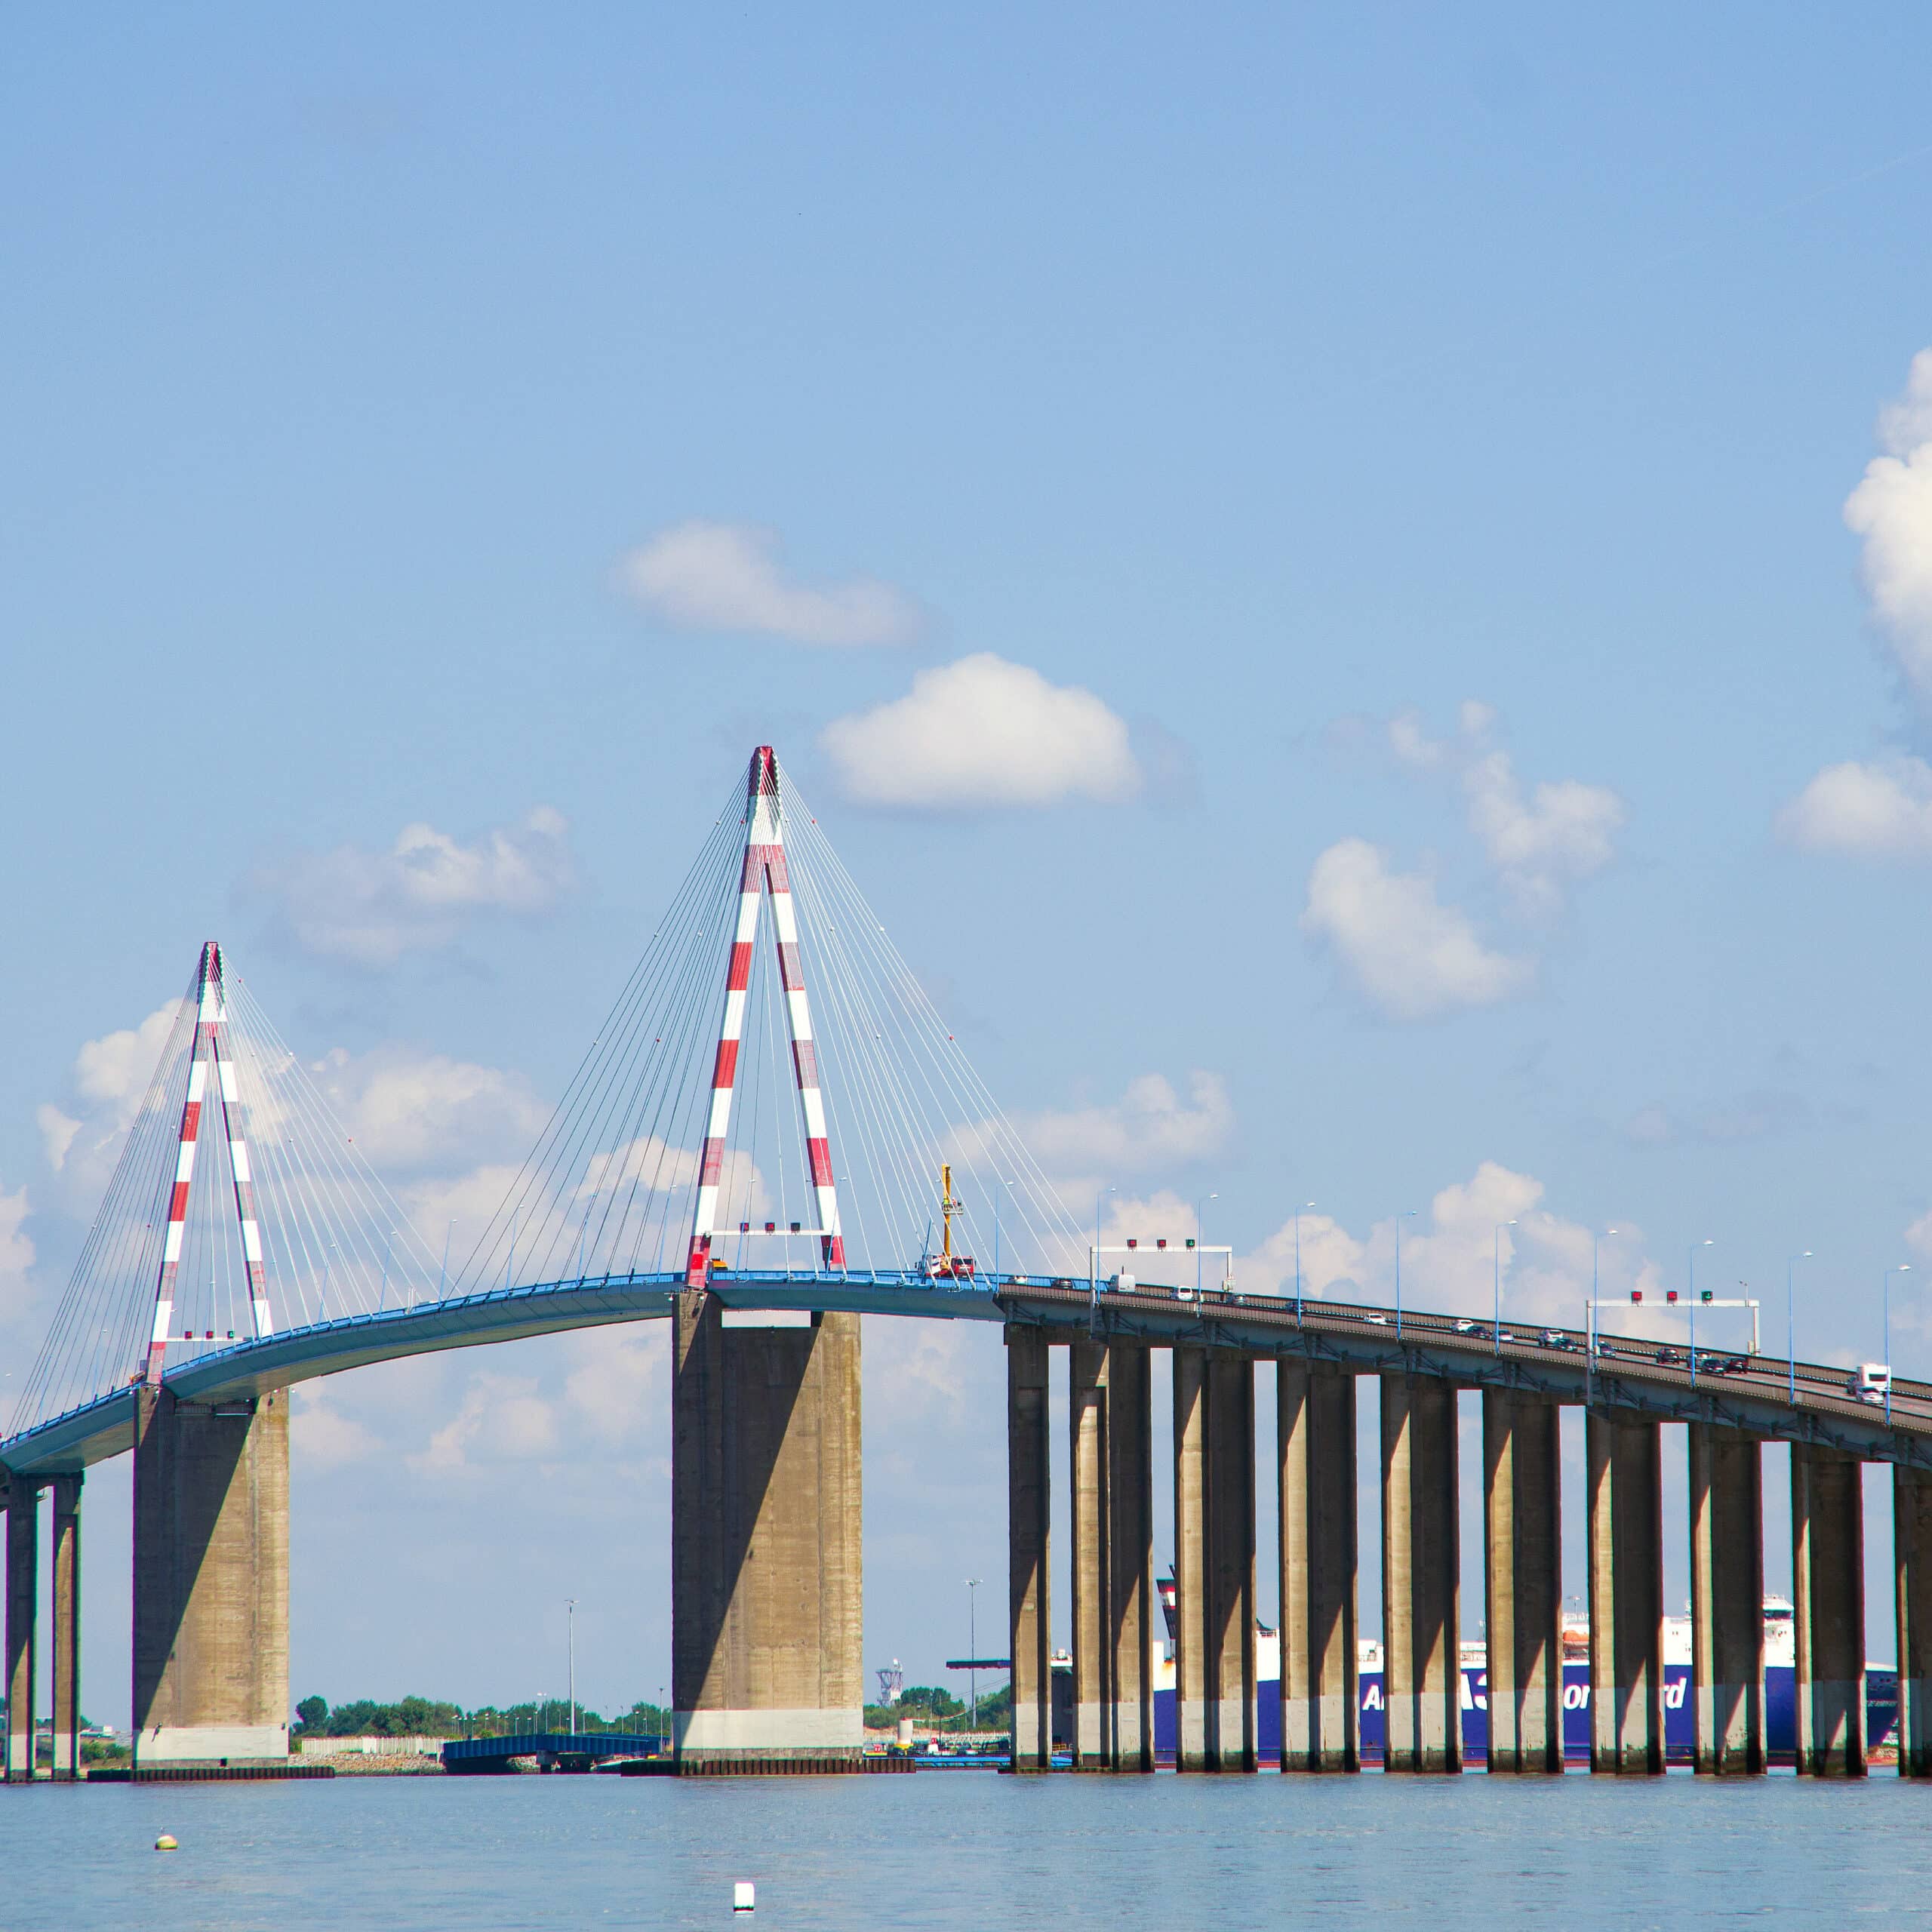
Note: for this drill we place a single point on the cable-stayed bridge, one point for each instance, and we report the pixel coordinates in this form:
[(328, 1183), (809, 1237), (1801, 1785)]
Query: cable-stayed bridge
[(773, 1133)]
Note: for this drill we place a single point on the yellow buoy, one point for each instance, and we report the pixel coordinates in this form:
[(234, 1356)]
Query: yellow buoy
[(166, 1843)]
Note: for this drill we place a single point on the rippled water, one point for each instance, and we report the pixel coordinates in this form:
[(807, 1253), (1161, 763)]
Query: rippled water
[(971, 1849)]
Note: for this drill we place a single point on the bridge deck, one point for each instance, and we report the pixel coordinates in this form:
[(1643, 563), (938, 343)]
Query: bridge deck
[(1622, 1373)]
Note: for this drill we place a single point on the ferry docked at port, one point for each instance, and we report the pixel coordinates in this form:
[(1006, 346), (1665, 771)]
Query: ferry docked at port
[(1780, 1691)]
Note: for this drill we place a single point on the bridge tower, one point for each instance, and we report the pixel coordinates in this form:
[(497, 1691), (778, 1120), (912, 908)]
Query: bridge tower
[(766, 1623), (210, 1649)]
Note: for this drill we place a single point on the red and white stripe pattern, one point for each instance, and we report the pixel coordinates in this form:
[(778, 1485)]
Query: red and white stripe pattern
[(234, 1120), (764, 870), (211, 1015)]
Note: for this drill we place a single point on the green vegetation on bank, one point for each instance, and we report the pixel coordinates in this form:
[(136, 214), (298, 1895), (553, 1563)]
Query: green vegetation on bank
[(933, 1708), (429, 1717)]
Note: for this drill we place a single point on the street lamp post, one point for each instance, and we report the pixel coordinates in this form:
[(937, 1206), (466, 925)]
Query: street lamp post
[(1790, 1324), (1903, 1268), (1496, 1280), (571, 1681), (996, 1208), (1406, 1214), (973, 1650), (1200, 1236), (1691, 1290), (1298, 1215)]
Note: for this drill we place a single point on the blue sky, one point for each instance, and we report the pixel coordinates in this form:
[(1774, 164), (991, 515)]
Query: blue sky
[(496, 421)]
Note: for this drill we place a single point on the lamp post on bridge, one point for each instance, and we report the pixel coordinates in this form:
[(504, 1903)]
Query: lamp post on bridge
[(443, 1279), (1496, 1280), (1691, 1290), (973, 1650), (1903, 1268), (1790, 1324), (1200, 1236), (1298, 1215), (996, 1200), (1407, 1213), (1590, 1326)]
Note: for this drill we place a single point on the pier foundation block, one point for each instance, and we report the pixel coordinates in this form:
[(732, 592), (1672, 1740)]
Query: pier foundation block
[(766, 1531), (210, 1580), (1626, 1542), (1523, 1526), (1726, 1600), (1028, 1529), (1314, 1419), (1421, 1677), (1827, 1558)]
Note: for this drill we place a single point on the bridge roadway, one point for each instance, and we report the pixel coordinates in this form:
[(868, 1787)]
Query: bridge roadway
[(1623, 1373)]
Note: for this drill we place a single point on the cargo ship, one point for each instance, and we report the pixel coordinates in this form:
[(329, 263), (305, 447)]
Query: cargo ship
[(1780, 1690)]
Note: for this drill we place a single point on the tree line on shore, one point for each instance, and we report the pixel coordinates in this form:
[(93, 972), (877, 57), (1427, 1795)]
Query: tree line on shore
[(433, 1717)]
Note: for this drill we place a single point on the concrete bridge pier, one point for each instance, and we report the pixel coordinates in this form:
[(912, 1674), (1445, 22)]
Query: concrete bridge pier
[(1523, 1526), (67, 1627), (1110, 1463), (210, 1580), (1625, 1540), (1421, 1677), (1911, 1546), (23, 1599), (1127, 1739), (1214, 1660), (1827, 1558), (1086, 1394), (1029, 1532), (1726, 1600), (1315, 1421), (766, 1668)]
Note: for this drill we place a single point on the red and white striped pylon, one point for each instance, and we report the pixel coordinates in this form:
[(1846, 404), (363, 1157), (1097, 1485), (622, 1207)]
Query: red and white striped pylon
[(210, 1046), (764, 871)]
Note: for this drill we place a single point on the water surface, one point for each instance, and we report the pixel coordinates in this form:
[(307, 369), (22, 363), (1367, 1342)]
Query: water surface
[(970, 1848)]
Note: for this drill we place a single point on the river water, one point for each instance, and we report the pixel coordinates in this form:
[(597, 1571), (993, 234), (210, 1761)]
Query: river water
[(969, 1848)]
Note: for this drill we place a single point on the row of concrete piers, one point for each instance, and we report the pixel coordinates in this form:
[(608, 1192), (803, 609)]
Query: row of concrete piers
[(1111, 1463)]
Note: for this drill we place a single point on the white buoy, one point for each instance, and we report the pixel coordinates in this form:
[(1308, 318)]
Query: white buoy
[(744, 1897)]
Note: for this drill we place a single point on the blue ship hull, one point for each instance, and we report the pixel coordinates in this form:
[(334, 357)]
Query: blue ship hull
[(1780, 1698)]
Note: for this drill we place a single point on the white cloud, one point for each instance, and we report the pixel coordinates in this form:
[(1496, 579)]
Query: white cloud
[(982, 732), (1562, 835), (502, 1419), (726, 577), (1452, 1253), (17, 1258), (1149, 1126), (372, 907), (1891, 509), (1879, 809), (621, 1377), (404, 1109), (1564, 832), (1410, 956), (324, 1439)]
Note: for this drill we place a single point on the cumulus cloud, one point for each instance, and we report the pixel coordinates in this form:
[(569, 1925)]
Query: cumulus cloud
[(16, 1257), (726, 577), (1891, 509), (1408, 954), (1450, 1253), (1149, 1126), (1881, 809), (1538, 845), (502, 1419), (370, 907), (405, 1110), (983, 733)]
